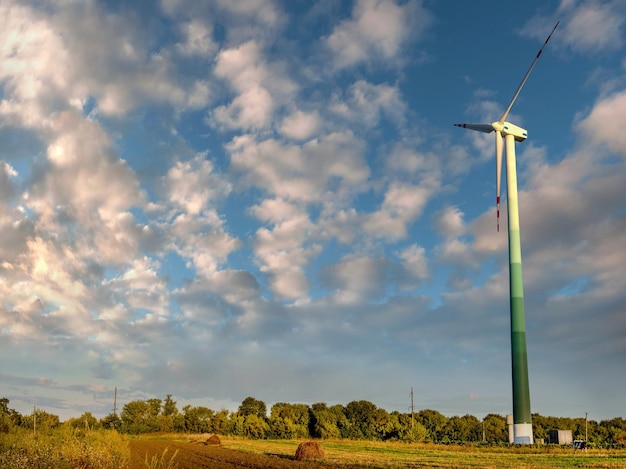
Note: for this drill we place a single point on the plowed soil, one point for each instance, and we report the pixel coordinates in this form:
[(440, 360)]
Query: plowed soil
[(196, 455)]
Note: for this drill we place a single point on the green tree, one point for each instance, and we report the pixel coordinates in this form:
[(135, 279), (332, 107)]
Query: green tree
[(137, 417), (416, 434), (361, 415), (198, 419), (289, 420), (615, 430), (387, 425), (323, 421), (8, 417), (496, 430), (154, 407), (235, 424), (411, 429), (462, 429), (111, 421), (221, 422), (255, 427), (252, 406), (434, 422), (41, 419), (85, 422), (169, 406)]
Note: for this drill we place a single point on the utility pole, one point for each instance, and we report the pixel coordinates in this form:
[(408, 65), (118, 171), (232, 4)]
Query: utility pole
[(412, 408), (586, 439), (115, 402), (35, 419)]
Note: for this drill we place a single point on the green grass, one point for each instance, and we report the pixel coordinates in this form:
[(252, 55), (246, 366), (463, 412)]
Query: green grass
[(398, 455)]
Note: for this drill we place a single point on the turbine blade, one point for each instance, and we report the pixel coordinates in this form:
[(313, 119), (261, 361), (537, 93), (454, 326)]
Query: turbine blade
[(521, 85), (486, 128), (498, 175)]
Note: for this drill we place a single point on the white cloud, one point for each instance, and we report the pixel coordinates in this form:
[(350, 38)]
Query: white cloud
[(303, 173), (198, 39), (593, 25), (415, 261), (606, 122), (366, 103), (450, 222), (300, 125), (243, 68), (202, 240), (263, 11), (358, 278), (587, 26), (284, 253), (378, 29), (6, 186), (193, 185), (275, 210), (141, 287), (260, 87), (402, 205), (58, 61)]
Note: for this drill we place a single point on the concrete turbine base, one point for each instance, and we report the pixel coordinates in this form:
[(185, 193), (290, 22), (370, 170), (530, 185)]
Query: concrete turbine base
[(523, 434)]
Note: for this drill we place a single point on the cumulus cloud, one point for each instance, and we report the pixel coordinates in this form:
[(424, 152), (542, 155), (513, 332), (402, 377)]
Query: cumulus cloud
[(415, 261), (450, 222), (284, 252), (259, 87), (197, 39), (300, 172), (586, 26), (358, 278), (366, 103), (377, 30), (60, 61), (402, 205), (603, 126), (300, 125), (193, 185)]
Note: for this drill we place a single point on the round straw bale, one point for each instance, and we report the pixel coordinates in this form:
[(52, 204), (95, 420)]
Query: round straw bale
[(213, 440), (309, 450)]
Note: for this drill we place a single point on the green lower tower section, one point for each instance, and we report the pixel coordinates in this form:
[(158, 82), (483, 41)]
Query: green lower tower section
[(519, 359)]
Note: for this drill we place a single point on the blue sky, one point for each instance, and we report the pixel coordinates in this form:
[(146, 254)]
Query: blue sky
[(221, 199)]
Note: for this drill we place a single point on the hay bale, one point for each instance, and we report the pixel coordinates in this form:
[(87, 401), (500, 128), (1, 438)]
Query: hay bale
[(213, 440), (309, 450)]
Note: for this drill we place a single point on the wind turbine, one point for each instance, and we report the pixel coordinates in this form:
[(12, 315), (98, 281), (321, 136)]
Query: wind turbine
[(522, 423)]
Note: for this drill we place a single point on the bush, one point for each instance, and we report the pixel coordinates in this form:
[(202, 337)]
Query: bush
[(64, 448)]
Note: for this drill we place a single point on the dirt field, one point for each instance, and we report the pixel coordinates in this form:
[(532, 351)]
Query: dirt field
[(196, 455)]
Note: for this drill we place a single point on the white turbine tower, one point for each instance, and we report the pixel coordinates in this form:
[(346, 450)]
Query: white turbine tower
[(522, 424)]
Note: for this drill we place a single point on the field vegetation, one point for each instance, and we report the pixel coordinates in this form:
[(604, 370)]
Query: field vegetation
[(356, 435), (63, 447)]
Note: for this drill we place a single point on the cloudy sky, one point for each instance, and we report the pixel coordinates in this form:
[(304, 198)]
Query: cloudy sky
[(218, 199)]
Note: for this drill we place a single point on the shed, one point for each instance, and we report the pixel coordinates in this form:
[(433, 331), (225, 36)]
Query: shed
[(560, 437)]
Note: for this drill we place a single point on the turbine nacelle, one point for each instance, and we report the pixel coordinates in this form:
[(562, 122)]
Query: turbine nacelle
[(511, 129)]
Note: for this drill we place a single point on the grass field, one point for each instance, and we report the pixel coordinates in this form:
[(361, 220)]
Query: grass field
[(238, 452)]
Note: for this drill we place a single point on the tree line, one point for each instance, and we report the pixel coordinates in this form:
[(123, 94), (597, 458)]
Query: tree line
[(356, 420)]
